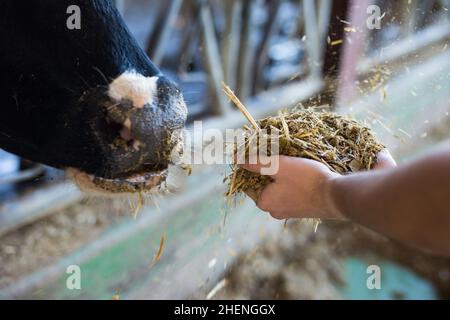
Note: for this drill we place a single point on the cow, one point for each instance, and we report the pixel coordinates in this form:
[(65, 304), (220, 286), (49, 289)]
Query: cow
[(86, 99)]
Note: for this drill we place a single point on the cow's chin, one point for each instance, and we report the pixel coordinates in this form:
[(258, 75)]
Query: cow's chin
[(145, 182), (138, 183)]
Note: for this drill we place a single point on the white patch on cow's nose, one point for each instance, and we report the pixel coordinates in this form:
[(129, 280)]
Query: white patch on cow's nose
[(135, 87)]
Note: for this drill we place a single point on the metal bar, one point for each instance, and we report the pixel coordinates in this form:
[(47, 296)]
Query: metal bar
[(312, 41), (213, 62), (407, 46), (261, 50), (38, 205), (161, 35), (245, 54), (409, 16), (189, 37), (325, 7), (22, 175), (231, 40)]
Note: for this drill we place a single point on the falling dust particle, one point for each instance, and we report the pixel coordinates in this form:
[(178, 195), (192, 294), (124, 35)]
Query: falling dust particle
[(349, 29), (212, 263), (139, 205), (160, 251), (404, 132), (317, 223), (385, 127), (216, 289), (116, 296), (232, 252), (383, 95), (336, 42)]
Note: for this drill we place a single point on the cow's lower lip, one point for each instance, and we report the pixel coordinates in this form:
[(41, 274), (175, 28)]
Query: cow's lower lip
[(141, 182), (137, 183)]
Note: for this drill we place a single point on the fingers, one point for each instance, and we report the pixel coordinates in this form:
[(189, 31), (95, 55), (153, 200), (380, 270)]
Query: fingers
[(384, 160), (267, 166), (267, 201), (262, 199)]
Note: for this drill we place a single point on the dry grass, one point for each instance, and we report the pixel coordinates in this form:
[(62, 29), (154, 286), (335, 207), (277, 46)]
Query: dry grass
[(339, 142)]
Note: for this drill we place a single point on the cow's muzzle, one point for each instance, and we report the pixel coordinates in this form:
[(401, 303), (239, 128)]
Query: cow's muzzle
[(137, 136)]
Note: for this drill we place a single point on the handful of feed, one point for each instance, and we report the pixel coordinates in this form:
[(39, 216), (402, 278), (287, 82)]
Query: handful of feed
[(339, 142)]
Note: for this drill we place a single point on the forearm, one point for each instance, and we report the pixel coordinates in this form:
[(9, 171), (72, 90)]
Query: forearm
[(410, 203)]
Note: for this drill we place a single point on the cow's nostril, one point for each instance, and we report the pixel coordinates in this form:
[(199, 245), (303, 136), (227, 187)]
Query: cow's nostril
[(122, 134), (126, 132)]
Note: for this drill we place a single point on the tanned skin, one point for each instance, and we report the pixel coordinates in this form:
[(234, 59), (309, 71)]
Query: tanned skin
[(409, 203)]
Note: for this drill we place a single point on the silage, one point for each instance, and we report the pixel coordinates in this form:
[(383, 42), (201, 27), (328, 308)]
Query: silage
[(339, 142)]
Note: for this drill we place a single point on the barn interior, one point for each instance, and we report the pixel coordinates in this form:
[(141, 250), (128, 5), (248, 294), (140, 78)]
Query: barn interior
[(391, 70)]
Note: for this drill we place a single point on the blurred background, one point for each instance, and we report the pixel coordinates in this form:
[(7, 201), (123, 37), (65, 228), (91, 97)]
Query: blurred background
[(389, 67)]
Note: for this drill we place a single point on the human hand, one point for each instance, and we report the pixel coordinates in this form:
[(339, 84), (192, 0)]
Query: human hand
[(301, 188)]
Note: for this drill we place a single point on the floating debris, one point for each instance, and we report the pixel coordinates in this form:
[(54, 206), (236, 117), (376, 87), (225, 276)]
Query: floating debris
[(350, 29), (376, 79), (239, 104), (317, 223), (336, 42), (160, 251), (404, 132), (116, 296), (383, 94), (212, 263), (216, 289), (139, 205)]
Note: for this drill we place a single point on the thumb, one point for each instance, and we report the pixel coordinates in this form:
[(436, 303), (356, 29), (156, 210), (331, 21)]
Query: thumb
[(384, 160)]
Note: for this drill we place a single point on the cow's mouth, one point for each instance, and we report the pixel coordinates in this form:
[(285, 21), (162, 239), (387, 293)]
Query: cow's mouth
[(135, 183), (148, 179), (138, 182)]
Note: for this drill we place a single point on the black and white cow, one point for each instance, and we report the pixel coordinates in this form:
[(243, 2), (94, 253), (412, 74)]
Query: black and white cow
[(88, 100)]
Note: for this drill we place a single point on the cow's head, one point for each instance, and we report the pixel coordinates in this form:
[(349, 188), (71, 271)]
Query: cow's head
[(87, 99)]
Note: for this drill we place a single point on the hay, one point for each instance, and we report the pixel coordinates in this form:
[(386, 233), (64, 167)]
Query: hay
[(339, 142)]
